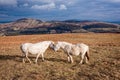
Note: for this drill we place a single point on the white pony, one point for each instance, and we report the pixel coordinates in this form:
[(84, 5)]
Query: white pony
[(37, 48), (71, 49)]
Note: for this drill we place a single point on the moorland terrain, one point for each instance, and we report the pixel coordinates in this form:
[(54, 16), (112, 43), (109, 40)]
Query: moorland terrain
[(104, 58)]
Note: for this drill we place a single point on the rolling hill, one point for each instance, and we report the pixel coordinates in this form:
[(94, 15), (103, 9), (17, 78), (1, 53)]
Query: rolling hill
[(34, 26)]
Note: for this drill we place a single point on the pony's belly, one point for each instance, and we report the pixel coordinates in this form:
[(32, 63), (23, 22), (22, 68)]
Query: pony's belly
[(34, 51), (76, 54)]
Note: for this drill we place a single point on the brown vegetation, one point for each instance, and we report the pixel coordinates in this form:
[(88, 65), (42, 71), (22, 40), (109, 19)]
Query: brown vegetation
[(32, 26), (104, 58)]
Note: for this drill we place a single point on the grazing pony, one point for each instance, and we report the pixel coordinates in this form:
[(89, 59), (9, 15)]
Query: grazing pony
[(70, 49), (37, 48)]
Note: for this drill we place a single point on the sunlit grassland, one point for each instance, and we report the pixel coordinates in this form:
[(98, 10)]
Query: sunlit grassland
[(104, 58)]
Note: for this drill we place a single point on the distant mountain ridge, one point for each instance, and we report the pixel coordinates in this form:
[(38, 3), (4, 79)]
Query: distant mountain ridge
[(35, 26)]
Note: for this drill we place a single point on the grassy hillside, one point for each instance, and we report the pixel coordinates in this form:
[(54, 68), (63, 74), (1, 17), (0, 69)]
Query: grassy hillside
[(33, 26), (104, 58)]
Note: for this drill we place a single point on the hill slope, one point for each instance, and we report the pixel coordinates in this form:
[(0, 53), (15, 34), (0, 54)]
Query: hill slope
[(33, 26)]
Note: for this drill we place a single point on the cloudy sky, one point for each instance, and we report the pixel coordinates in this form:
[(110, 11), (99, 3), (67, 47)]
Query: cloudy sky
[(101, 10)]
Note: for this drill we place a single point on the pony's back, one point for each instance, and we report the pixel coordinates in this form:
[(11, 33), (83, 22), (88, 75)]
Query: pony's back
[(63, 42), (83, 46)]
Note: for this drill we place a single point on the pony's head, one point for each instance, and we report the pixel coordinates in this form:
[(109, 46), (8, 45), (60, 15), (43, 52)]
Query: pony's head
[(56, 47), (52, 44)]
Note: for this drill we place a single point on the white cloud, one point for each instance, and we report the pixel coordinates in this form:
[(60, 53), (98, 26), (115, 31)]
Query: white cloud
[(42, 1), (66, 2), (8, 2), (44, 7), (63, 7), (26, 4), (52, 4)]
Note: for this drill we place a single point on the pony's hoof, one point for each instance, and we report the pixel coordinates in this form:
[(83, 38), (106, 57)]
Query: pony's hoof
[(30, 62), (87, 63), (43, 60), (35, 62), (71, 62), (80, 63), (23, 62)]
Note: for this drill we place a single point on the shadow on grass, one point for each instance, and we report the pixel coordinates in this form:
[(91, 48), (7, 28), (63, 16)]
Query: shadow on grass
[(55, 60), (18, 58), (11, 57)]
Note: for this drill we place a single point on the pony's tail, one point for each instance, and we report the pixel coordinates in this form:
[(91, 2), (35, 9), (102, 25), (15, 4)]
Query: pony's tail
[(23, 53), (87, 55), (21, 49)]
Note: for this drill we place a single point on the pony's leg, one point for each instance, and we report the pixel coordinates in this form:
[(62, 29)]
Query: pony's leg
[(42, 57), (23, 60), (82, 58), (68, 58), (28, 59), (23, 56), (87, 56), (86, 60), (37, 58), (71, 58)]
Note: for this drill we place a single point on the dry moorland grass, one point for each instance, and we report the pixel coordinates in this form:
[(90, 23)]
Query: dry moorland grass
[(104, 58)]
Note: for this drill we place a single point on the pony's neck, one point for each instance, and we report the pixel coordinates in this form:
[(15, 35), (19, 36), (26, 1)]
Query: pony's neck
[(47, 44), (62, 45)]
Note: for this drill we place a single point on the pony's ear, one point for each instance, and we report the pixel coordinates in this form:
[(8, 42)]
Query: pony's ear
[(54, 43)]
